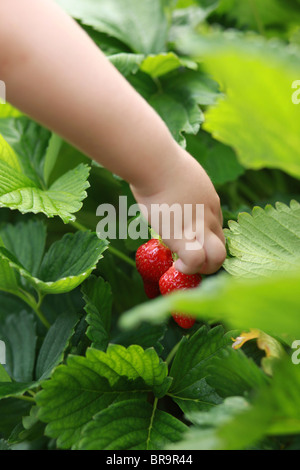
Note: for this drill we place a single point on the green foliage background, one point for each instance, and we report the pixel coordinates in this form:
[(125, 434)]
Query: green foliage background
[(91, 364)]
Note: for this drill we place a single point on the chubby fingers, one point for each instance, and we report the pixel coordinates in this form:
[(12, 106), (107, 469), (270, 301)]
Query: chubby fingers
[(204, 259)]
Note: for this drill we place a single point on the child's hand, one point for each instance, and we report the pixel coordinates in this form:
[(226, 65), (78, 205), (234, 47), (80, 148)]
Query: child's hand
[(186, 182), (90, 104)]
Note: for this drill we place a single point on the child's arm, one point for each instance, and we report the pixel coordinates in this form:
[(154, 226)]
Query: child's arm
[(57, 75)]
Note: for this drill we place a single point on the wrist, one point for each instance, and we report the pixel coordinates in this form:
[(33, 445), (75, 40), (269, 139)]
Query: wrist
[(161, 172)]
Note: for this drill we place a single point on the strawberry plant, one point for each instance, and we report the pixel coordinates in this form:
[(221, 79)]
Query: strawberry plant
[(93, 358)]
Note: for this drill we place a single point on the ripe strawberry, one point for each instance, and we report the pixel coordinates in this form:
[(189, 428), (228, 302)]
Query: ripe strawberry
[(174, 280), (151, 289), (152, 260)]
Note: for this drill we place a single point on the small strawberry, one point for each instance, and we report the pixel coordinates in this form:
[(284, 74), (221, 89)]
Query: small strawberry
[(152, 260), (174, 280), (151, 289)]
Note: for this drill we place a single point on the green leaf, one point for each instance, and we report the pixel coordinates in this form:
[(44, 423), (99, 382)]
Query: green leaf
[(194, 84), (273, 411), (141, 25), (199, 397), (8, 155), (271, 15), (52, 152), (189, 369), (54, 345), (11, 411), (98, 297), (86, 385), (160, 64), (18, 191), (175, 100), (180, 115), (218, 160), (253, 107), (126, 63), (8, 281), (29, 140), (133, 362), (67, 263), (26, 241), (146, 336), (131, 425), (14, 389), (4, 377), (205, 435), (18, 332), (232, 373), (265, 242), (7, 110), (269, 304)]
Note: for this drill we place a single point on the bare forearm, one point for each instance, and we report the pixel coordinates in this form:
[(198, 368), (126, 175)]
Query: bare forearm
[(55, 74)]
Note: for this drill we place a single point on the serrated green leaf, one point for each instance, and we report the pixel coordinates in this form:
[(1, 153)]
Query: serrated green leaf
[(190, 364), (141, 25), (67, 263), (98, 297), (79, 390), (18, 332), (160, 64), (133, 362), (131, 425), (126, 63), (176, 97), (54, 345), (17, 191), (265, 242)]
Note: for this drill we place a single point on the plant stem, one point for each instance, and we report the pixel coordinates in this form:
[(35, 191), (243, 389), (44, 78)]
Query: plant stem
[(119, 254), (29, 300), (114, 251), (24, 398), (151, 421), (172, 353)]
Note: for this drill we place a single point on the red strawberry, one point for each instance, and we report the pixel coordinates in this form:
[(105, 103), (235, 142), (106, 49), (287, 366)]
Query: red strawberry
[(152, 260), (151, 289), (174, 280)]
